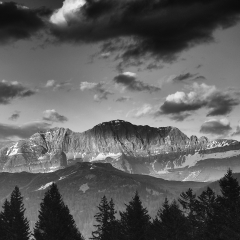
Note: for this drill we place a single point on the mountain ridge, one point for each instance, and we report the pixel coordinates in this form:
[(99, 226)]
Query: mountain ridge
[(161, 152)]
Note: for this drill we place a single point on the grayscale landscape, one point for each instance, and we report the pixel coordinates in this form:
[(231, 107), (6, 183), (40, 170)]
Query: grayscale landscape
[(119, 120)]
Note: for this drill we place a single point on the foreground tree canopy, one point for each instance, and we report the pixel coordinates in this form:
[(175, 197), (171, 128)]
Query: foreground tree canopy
[(204, 217)]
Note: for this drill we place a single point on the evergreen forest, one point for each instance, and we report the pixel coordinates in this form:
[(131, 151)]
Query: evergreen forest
[(206, 216)]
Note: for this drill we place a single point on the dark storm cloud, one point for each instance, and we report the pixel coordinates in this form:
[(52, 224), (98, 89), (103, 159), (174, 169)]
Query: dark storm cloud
[(216, 127), (201, 96), (53, 116), (14, 116), (184, 76), (13, 90), (53, 4), (19, 22), (146, 28), (129, 81), (23, 131)]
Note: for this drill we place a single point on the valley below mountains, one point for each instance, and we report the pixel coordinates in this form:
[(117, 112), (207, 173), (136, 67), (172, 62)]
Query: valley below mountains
[(163, 152), (82, 186)]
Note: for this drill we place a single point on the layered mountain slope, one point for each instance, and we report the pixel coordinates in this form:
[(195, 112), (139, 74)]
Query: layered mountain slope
[(164, 152), (82, 186)]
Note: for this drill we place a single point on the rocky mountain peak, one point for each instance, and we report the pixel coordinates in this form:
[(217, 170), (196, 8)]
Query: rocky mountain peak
[(129, 147)]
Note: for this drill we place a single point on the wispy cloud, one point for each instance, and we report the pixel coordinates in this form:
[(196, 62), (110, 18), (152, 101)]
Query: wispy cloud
[(183, 77), (237, 131), (53, 116), (128, 81), (100, 90), (15, 116), (123, 99), (13, 90), (55, 85)]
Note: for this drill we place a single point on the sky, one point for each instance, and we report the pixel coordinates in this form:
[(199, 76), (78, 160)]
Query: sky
[(77, 63)]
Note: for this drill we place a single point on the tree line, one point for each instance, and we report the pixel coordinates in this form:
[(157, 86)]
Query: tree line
[(203, 217)]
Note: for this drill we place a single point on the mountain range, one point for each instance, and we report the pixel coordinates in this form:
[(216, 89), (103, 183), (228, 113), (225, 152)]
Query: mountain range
[(163, 152), (114, 159)]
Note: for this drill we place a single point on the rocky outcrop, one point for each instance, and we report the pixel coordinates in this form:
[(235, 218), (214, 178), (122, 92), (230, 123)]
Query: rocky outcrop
[(131, 148)]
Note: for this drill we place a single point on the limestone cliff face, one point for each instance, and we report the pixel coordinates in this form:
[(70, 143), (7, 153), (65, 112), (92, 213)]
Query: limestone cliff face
[(131, 148), (117, 137)]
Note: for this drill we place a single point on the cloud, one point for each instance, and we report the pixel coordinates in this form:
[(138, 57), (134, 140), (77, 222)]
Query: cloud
[(58, 85), (180, 117), (69, 8), (53, 116), (184, 76), (13, 90), (199, 78), (101, 92), (14, 116), (237, 131), (181, 104), (153, 66), (216, 127), (146, 109), (123, 99), (105, 55), (19, 22), (143, 111), (24, 131), (138, 28), (129, 82)]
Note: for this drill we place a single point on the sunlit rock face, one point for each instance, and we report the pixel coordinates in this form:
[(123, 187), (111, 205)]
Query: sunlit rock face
[(164, 152)]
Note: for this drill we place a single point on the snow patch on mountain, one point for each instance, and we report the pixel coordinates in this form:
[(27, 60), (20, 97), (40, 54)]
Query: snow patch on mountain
[(63, 177), (13, 150), (165, 170), (103, 156), (43, 187), (192, 176), (191, 160)]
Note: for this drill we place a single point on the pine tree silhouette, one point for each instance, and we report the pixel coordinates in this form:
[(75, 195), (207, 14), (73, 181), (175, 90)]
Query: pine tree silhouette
[(207, 206), (225, 222), (15, 225), (105, 221), (170, 223), (135, 221), (6, 221), (190, 205), (55, 221)]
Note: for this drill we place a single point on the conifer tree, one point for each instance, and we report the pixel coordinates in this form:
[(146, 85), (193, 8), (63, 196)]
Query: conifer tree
[(170, 223), (55, 221), (6, 220), (226, 219), (190, 205), (106, 221), (15, 225), (135, 221), (207, 206), (207, 200)]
